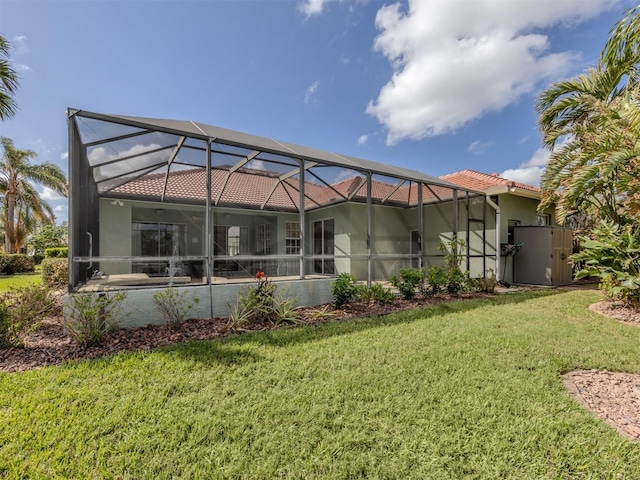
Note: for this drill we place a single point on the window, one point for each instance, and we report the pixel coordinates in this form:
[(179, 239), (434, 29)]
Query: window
[(323, 246), (263, 239), (230, 240), (292, 238), (158, 239), (542, 219)]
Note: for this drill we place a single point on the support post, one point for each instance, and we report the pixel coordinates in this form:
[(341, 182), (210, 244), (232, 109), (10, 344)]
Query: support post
[(420, 225), (369, 225), (301, 214)]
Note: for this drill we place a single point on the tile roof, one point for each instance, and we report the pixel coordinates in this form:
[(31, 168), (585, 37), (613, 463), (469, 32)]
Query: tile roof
[(483, 181), (257, 188)]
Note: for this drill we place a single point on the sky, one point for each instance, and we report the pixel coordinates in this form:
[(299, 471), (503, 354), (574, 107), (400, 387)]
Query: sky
[(437, 86)]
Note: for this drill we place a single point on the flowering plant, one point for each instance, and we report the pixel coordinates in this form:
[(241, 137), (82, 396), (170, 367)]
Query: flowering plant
[(261, 275)]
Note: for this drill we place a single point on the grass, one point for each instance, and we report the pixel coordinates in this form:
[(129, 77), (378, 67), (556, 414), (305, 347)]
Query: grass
[(464, 390), (7, 282)]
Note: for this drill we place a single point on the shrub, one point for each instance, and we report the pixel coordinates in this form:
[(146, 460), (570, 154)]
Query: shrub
[(436, 281), (56, 252), (21, 311), (345, 290), (91, 316), (16, 263), (260, 304), (410, 280), (612, 254), (174, 305), (488, 283), (55, 272), (377, 294)]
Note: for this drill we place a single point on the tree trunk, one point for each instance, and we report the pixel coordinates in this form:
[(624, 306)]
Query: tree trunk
[(9, 225)]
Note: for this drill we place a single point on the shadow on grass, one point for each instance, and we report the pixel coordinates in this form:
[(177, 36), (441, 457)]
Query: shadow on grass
[(212, 353), (231, 350)]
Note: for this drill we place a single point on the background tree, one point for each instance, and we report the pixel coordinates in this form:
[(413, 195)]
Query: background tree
[(16, 175), (8, 82)]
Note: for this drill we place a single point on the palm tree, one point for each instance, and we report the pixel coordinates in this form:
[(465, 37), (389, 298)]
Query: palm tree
[(20, 196), (592, 125), (8, 82)]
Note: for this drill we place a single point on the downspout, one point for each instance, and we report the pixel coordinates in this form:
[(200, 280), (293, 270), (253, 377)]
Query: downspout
[(495, 206)]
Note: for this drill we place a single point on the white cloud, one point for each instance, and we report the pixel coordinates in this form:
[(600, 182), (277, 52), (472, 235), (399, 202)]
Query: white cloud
[(64, 155), (457, 60), (530, 171), (50, 195), (311, 91), (19, 43), (60, 208), (362, 139), (21, 67), (309, 8), (344, 59), (479, 147), (99, 155)]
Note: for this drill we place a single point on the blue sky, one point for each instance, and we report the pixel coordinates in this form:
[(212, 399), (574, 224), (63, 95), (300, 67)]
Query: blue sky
[(433, 85)]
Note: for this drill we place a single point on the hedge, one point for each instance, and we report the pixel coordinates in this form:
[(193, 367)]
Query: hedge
[(56, 252), (16, 263), (55, 272)]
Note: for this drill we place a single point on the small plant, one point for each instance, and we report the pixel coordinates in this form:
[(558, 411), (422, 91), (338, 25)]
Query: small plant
[(488, 283), (284, 310), (408, 283), (345, 290), (321, 313), (260, 304), (457, 281), (174, 305), (21, 310), (436, 281), (91, 316), (612, 253), (377, 294)]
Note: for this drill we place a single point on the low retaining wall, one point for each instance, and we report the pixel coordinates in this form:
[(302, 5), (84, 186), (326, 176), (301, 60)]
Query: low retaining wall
[(139, 309)]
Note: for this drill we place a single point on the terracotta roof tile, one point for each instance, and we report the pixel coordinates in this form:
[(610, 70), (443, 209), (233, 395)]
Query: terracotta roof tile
[(483, 181)]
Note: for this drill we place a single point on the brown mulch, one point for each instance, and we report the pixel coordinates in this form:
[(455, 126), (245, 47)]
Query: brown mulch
[(49, 345), (612, 396)]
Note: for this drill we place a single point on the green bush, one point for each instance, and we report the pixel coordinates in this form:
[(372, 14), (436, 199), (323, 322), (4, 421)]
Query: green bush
[(89, 317), (21, 311), (408, 283), (174, 305), (55, 272), (377, 294), (345, 290), (16, 263), (436, 281), (56, 252), (261, 304), (612, 254)]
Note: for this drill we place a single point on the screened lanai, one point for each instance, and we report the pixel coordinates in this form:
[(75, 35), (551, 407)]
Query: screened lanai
[(167, 202)]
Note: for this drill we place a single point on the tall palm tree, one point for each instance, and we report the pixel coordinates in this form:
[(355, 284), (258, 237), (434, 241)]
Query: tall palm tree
[(16, 173), (583, 121), (592, 125), (8, 82)]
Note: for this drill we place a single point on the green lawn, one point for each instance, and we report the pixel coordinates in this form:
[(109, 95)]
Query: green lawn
[(464, 390), (8, 282)]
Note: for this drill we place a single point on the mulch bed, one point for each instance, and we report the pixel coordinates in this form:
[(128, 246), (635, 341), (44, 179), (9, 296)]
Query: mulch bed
[(48, 345)]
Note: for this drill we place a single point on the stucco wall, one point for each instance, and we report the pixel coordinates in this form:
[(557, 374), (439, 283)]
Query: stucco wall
[(139, 309)]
